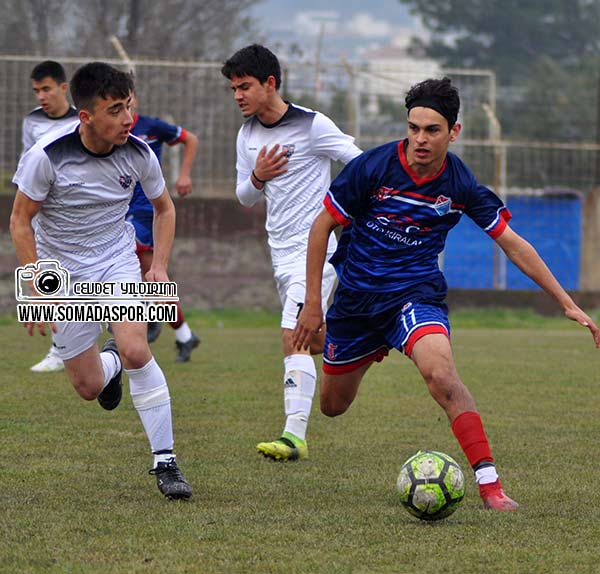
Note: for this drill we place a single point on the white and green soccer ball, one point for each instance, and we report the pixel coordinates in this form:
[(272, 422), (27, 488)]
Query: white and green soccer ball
[(431, 485)]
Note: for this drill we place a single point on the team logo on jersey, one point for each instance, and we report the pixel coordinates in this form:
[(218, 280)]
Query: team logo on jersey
[(384, 192), (289, 149), (125, 181), (331, 352), (407, 306), (442, 205), (402, 222)]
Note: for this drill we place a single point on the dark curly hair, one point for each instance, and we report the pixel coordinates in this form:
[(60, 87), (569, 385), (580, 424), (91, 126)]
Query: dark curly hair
[(439, 95), (99, 80), (256, 61)]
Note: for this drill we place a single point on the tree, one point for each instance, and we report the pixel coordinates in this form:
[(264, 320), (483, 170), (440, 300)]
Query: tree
[(173, 29), (568, 96), (546, 56), (26, 26), (509, 36)]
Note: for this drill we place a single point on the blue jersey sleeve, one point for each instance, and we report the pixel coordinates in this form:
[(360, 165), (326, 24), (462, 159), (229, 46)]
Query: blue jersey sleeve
[(489, 212), (482, 205), (349, 192), (166, 133)]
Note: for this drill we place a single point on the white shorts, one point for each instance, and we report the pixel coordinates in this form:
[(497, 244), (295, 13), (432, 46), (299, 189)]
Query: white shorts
[(72, 339), (291, 285)]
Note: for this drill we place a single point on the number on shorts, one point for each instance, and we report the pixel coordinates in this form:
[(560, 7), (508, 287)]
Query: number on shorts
[(412, 318)]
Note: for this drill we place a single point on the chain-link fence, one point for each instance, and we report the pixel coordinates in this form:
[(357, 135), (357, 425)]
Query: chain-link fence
[(366, 101)]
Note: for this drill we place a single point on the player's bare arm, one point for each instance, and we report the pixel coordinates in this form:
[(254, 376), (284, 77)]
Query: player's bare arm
[(310, 319), (23, 211), (164, 233), (183, 185), (526, 258), (269, 164)]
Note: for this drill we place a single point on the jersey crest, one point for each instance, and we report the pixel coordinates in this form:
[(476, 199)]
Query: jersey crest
[(384, 192), (125, 181), (442, 205)]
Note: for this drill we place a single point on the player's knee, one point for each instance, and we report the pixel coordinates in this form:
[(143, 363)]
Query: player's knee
[(135, 354), (88, 388), (316, 348), (333, 407), (439, 376), (444, 385)]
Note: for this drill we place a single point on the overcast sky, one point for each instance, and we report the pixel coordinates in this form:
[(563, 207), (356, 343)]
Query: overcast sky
[(348, 27)]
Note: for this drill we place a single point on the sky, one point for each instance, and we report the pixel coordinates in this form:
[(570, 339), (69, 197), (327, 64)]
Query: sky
[(345, 28)]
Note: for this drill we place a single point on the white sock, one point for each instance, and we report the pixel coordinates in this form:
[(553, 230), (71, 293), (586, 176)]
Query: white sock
[(486, 475), (111, 365), (54, 351), (183, 333), (164, 457), (151, 399), (299, 384)]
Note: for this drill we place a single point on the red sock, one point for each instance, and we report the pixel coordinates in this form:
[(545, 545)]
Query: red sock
[(180, 318), (468, 430)]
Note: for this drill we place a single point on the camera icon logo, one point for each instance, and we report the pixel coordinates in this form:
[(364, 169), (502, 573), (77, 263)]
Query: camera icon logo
[(48, 279)]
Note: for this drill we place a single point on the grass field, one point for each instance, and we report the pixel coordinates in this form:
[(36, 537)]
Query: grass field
[(75, 495)]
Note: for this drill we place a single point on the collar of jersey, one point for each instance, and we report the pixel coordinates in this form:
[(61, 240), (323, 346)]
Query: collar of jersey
[(416, 179), (282, 118), (90, 152)]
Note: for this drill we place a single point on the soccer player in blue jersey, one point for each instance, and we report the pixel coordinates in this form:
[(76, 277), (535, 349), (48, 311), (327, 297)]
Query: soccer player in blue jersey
[(155, 132), (284, 154), (402, 199)]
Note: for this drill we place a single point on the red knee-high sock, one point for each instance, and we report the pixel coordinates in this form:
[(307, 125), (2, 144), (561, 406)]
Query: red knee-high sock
[(468, 430), (180, 318)]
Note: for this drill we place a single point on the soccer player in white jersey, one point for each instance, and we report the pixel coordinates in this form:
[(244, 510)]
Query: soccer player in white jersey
[(284, 154), (49, 85), (77, 182)]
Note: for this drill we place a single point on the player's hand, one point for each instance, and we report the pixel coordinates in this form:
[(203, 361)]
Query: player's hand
[(584, 320), (309, 323), (40, 327), (183, 185), (270, 164), (157, 275)]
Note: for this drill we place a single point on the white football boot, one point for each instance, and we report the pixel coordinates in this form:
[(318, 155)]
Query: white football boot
[(51, 363)]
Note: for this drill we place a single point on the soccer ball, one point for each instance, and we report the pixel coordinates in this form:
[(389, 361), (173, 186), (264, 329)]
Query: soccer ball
[(431, 485)]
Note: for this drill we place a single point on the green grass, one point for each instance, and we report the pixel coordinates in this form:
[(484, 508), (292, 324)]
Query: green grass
[(76, 497)]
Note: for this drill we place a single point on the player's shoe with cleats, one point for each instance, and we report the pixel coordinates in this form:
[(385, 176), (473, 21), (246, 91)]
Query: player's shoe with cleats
[(170, 480), (154, 329), (111, 395), (288, 447), (184, 350), (51, 363), (494, 498)]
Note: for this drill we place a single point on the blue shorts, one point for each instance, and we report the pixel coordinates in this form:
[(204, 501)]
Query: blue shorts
[(363, 327), (142, 222)]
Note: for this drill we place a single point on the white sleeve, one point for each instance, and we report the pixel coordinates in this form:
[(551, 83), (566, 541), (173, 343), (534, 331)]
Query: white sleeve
[(34, 176), (245, 191), (152, 181), (27, 136), (328, 140)]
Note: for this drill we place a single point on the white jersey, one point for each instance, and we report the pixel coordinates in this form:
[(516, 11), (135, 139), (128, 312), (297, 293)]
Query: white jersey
[(294, 198), (37, 123), (85, 196)]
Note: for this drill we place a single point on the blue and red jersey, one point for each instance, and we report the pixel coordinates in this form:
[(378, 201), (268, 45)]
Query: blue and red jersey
[(154, 132), (396, 222)]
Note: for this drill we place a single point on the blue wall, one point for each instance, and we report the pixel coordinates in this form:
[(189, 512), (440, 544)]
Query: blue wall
[(551, 223)]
